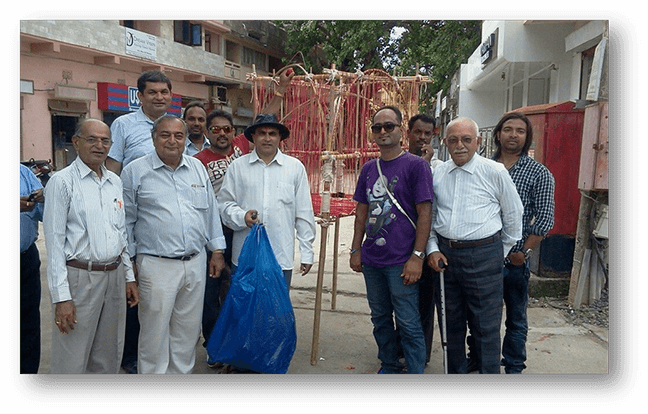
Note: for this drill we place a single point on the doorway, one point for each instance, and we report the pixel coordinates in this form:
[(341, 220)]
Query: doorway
[(63, 127)]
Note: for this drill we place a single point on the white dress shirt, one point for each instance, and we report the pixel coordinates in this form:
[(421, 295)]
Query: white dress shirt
[(170, 212), (279, 191), (434, 161), (83, 220), (475, 201)]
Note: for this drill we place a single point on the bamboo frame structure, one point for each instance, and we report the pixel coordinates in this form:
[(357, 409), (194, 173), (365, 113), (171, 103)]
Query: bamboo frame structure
[(329, 115)]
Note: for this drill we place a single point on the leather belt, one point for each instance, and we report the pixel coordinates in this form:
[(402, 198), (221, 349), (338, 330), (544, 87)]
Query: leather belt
[(466, 244), (93, 266), (183, 258)]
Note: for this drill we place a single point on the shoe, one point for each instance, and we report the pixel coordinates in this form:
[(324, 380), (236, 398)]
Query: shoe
[(382, 371), (513, 370), (473, 365), (130, 368), (214, 364)]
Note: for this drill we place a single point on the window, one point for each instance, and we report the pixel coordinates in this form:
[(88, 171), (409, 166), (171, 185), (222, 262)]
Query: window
[(151, 27), (212, 42), (187, 33), (251, 57)]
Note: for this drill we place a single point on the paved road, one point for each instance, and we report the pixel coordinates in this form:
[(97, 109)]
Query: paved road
[(346, 344)]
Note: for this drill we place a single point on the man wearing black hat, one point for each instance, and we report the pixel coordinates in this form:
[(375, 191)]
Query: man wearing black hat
[(269, 186)]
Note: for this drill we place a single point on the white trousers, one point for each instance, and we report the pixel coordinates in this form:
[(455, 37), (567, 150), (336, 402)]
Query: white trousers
[(170, 313), (96, 344)]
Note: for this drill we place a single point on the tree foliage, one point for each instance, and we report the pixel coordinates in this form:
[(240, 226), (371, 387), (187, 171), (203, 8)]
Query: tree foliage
[(435, 47)]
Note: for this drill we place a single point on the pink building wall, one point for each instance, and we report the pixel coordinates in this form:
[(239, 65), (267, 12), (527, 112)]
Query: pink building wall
[(45, 72)]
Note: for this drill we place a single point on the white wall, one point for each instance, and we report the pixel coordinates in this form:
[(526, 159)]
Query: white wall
[(482, 107)]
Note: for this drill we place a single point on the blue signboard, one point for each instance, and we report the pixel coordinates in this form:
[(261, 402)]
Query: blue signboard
[(133, 100)]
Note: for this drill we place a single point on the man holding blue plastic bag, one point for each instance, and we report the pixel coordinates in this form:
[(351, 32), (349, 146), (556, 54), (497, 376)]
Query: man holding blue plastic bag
[(256, 329), (269, 187)]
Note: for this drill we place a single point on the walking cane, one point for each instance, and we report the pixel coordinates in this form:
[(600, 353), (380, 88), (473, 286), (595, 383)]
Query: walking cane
[(444, 339)]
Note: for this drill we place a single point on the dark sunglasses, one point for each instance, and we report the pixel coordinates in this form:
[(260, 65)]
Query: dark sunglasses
[(388, 127), (217, 129)]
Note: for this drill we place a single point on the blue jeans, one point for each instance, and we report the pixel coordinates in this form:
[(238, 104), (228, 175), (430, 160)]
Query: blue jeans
[(473, 294), (516, 298), (389, 297)]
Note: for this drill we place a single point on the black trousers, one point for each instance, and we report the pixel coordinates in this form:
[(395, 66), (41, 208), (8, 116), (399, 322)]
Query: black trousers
[(30, 297), (474, 289), (216, 289)]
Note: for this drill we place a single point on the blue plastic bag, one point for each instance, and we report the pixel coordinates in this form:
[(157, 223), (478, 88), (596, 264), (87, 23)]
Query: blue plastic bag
[(256, 325)]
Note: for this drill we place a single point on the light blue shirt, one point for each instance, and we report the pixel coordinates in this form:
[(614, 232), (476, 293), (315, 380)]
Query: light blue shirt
[(475, 201), (170, 212), (29, 219), (83, 220), (191, 148), (279, 191), (131, 135)]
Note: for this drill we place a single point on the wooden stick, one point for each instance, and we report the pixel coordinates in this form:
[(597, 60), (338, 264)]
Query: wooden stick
[(336, 238), (325, 207), (318, 295), (580, 296)]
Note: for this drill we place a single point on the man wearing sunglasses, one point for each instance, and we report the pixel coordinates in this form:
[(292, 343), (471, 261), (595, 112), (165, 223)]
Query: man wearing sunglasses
[(420, 132), (224, 148), (394, 195)]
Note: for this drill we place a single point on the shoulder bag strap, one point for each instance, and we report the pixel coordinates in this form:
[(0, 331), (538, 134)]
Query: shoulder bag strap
[(391, 196)]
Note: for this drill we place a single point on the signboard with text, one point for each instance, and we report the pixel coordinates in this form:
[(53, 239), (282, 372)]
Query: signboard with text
[(140, 44)]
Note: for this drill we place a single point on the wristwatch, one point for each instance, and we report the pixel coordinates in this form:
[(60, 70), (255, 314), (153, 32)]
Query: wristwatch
[(527, 253), (419, 254)]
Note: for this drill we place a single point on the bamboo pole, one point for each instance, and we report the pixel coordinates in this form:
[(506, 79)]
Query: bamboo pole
[(320, 274), (336, 239), (580, 295)]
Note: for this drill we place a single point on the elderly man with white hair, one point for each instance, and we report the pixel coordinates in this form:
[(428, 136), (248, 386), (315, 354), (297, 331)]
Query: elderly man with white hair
[(478, 219)]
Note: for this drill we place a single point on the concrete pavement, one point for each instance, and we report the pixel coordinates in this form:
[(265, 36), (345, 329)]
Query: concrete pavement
[(346, 344)]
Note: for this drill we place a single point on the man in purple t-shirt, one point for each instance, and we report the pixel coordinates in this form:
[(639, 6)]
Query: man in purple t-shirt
[(392, 253)]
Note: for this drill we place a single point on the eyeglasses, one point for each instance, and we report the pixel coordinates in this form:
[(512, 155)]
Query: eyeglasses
[(217, 129), (91, 140), (389, 127), (464, 140)]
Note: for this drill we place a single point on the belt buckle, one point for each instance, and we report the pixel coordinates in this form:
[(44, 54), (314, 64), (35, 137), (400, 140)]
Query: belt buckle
[(453, 244)]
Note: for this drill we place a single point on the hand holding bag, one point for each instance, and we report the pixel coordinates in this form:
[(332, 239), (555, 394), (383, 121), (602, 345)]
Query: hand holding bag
[(256, 325)]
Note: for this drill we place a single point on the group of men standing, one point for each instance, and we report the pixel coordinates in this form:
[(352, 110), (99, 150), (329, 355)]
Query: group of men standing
[(476, 219), (141, 226), (149, 239)]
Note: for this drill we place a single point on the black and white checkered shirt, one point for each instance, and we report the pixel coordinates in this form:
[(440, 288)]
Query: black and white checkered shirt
[(535, 185)]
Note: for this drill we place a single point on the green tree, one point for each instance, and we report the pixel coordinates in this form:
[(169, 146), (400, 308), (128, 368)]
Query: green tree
[(435, 47)]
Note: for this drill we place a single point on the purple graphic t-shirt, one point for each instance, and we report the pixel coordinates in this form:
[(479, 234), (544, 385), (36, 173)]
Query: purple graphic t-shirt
[(389, 235)]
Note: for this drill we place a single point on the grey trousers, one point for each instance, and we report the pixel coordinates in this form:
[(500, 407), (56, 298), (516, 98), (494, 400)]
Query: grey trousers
[(172, 293), (96, 344)]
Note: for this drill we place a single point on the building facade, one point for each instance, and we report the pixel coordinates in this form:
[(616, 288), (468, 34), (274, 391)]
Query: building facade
[(556, 73), (89, 68)]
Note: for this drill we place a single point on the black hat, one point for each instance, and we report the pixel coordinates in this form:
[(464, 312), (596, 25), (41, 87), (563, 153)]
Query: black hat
[(263, 120)]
